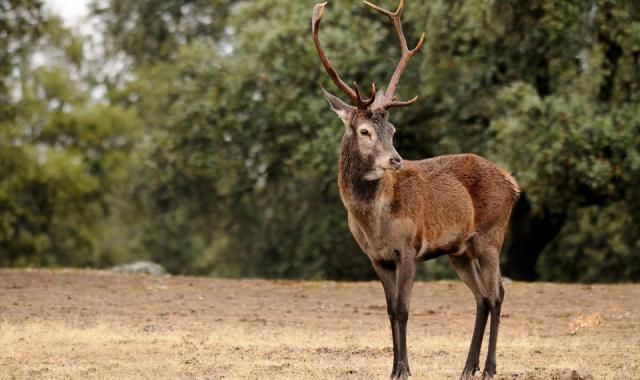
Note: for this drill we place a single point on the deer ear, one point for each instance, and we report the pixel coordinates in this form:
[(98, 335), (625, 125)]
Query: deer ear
[(338, 106)]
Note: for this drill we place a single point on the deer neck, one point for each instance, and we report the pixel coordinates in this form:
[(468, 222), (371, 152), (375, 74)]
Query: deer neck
[(359, 196)]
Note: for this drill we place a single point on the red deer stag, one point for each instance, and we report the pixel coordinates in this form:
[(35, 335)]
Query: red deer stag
[(404, 212)]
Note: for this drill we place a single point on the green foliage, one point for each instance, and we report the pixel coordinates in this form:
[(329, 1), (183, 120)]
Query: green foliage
[(149, 31), (582, 156), (598, 244), (213, 151), (63, 158)]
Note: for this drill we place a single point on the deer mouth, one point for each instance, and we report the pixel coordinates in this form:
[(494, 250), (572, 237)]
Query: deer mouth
[(395, 167), (392, 166)]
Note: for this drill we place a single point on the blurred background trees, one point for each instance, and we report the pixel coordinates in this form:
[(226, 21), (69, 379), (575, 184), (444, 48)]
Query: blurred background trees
[(194, 133)]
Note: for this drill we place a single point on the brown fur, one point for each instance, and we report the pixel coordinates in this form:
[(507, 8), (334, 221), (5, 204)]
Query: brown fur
[(456, 205)]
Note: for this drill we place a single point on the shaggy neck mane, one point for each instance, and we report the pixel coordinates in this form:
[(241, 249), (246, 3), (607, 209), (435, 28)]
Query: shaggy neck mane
[(351, 171)]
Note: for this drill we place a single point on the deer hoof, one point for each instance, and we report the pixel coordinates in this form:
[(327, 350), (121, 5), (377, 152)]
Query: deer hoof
[(401, 372), (469, 371), (486, 376), (467, 375)]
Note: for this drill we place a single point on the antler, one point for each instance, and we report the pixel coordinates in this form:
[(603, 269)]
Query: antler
[(389, 100), (353, 94)]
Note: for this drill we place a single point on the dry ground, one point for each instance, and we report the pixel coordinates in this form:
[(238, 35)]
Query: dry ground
[(91, 324)]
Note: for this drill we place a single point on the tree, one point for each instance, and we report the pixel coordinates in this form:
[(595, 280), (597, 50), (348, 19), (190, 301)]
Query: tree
[(213, 152), (149, 31), (61, 153)]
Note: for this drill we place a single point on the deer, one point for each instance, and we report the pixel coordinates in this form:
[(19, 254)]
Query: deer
[(403, 212)]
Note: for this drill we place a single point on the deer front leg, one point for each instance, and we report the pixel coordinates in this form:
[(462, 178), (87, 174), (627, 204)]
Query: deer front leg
[(386, 273), (397, 279)]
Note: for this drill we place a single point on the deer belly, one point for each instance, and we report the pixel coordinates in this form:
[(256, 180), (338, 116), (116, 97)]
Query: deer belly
[(451, 247), (386, 250)]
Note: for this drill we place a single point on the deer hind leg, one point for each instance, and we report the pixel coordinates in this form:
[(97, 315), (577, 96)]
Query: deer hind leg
[(495, 309), (489, 269), (467, 269)]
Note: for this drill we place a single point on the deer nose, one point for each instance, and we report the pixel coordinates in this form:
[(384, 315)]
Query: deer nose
[(396, 162)]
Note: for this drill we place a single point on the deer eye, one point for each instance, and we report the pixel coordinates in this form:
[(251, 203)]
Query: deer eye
[(364, 132)]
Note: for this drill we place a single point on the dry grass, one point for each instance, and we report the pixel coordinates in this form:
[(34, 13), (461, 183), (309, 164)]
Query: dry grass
[(85, 325), (585, 321)]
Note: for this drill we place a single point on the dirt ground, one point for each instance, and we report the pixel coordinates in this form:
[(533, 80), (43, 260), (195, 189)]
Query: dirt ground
[(92, 324)]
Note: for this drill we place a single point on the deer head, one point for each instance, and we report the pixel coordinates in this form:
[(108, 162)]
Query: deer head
[(367, 128)]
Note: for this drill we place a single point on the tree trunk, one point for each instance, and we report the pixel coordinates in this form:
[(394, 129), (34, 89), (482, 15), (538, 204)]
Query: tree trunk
[(529, 235)]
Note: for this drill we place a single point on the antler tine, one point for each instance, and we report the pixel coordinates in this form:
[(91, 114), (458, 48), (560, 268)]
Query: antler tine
[(315, 24), (373, 92), (397, 103), (389, 100), (362, 103), (386, 12)]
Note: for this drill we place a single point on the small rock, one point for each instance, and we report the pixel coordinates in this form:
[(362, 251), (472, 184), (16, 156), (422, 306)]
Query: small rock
[(144, 267)]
